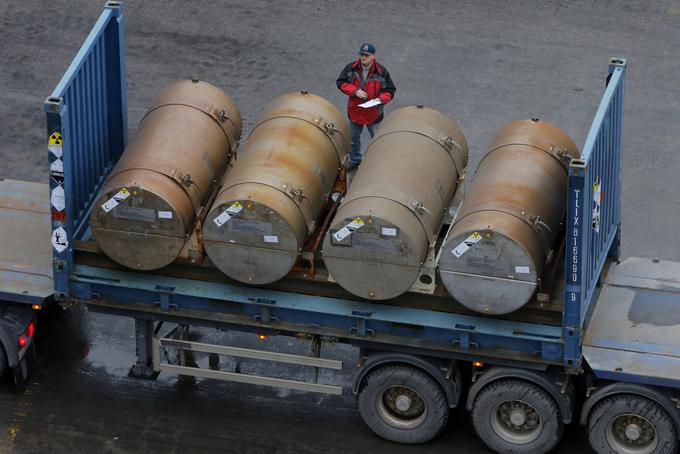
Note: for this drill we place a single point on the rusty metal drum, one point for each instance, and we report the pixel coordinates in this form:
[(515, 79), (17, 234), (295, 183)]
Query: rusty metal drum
[(270, 200), (380, 236), (506, 228), (147, 208)]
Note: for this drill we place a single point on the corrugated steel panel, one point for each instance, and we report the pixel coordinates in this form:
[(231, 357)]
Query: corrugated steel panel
[(593, 211), (86, 132)]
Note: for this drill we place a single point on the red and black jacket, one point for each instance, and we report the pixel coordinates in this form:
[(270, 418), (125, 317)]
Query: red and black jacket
[(378, 85)]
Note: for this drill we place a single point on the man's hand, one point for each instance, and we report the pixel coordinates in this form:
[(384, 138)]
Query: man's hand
[(361, 94)]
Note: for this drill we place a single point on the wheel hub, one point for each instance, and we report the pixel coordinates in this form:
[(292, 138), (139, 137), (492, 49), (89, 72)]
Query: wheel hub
[(634, 430), (402, 402), (516, 422), (401, 407), (518, 417)]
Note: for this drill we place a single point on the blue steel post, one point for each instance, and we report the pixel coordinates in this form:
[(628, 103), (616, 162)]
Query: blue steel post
[(86, 118), (618, 64), (61, 209), (593, 213), (574, 265)]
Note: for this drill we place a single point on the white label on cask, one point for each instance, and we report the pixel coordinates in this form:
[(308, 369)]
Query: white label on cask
[(466, 244)]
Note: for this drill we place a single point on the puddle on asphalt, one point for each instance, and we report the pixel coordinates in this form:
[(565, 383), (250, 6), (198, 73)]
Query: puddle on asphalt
[(111, 359)]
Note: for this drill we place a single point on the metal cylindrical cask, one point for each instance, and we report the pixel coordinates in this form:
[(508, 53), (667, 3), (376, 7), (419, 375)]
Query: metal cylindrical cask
[(379, 237), (507, 225), (269, 202), (147, 208)]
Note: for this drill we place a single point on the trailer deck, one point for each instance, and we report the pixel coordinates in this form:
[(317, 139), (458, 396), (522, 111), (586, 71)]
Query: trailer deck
[(25, 253), (634, 330)]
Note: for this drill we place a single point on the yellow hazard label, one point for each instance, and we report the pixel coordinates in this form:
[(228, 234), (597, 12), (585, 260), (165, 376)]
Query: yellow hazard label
[(358, 221), (124, 191), (55, 138), (476, 235), (236, 205)]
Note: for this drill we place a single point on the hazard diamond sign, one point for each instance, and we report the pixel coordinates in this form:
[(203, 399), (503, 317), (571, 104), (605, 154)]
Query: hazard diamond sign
[(55, 143), (56, 139)]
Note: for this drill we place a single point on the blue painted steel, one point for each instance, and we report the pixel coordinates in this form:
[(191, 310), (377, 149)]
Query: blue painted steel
[(633, 367), (18, 298), (89, 109), (453, 332), (593, 227)]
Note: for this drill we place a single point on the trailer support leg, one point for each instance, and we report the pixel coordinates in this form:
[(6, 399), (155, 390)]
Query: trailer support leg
[(143, 336), (186, 357), (315, 348)]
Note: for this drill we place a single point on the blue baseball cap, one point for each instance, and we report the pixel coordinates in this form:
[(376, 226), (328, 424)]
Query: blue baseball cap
[(367, 48)]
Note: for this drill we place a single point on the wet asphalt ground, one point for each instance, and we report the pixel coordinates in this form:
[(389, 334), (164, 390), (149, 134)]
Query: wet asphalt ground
[(483, 63)]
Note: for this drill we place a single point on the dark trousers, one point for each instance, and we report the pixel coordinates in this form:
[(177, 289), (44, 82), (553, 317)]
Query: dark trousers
[(355, 155)]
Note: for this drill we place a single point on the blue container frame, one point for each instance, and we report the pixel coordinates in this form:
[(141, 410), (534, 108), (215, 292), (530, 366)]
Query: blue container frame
[(593, 227), (89, 109)]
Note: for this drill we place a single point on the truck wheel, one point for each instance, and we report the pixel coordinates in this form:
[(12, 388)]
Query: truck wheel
[(514, 416), (630, 424), (403, 404)]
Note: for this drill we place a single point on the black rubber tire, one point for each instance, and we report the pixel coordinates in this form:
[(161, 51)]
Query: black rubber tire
[(608, 409), (497, 392), (436, 411)]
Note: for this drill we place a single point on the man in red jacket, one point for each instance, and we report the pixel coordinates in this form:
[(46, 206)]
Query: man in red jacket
[(364, 80)]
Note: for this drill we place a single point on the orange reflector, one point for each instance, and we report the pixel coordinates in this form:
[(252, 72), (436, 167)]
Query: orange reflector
[(37, 307), (477, 364), (262, 337)]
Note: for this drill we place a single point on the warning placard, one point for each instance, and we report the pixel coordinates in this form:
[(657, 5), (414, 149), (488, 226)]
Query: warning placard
[(466, 244), (598, 196), (58, 198), (55, 143), (114, 201), (57, 170), (347, 230), (59, 239), (227, 214)]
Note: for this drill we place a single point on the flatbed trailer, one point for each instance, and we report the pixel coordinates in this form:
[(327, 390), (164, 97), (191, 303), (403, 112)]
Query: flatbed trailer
[(602, 323)]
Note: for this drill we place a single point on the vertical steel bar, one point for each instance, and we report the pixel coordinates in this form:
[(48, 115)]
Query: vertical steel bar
[(79, 127), (574, 261), (96, 104), (88, 132)]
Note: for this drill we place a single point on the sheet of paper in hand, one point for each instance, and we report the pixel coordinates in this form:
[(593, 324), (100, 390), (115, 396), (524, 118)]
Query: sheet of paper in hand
[(371, 103)]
